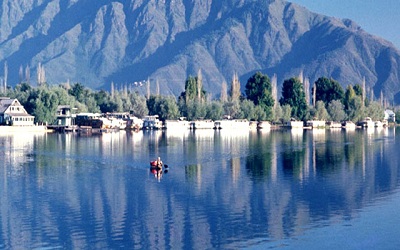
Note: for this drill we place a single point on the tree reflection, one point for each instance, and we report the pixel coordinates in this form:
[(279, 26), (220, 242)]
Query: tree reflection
[(292, 162), (259, 166), (328, 159)]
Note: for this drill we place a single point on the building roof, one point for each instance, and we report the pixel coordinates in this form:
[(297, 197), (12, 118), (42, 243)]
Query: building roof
[(389, 112), (5, 102), (19, 114)]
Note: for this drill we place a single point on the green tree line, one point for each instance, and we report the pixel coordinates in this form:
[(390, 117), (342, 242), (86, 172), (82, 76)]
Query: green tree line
[(327, 101)]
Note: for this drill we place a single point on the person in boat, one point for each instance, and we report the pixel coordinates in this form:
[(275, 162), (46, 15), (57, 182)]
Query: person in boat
[(159, 163), (156, 164)]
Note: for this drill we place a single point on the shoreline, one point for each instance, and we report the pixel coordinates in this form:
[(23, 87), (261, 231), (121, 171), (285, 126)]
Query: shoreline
[(24, 129)]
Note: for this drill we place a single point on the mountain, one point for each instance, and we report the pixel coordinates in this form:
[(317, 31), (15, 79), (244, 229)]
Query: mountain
[(164, 41)]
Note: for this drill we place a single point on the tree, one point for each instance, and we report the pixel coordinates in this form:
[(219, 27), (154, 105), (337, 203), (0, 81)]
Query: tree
[(195, 110), (232, 109), (358, 90), (320, 111), (259, 90), (293, 95), (215, 111), (102, 99), (286, 113), (78, 91), (165, 107), (277, 114), (251, 111), (44, 105), (328, 90), (224, 92), (235, 88), (192, 89), (348, 96), (336, 111), (138, 105), (375, 111), (356, 109)]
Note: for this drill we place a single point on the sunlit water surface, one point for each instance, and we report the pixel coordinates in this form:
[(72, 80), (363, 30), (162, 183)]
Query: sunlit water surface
[(282, 189)]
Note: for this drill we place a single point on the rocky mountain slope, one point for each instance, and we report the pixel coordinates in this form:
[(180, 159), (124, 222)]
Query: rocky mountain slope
[(164, 41)]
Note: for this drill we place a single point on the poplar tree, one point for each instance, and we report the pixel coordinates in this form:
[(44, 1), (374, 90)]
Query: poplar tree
[(224, 94), (235, 88)]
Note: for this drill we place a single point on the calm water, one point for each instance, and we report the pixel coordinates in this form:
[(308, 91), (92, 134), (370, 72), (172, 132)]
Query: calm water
[(280, 189)]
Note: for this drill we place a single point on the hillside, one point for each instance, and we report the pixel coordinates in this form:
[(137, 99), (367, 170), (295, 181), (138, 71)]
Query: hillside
[(165, 41)]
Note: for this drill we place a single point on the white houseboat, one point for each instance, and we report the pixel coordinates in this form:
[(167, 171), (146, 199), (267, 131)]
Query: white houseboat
[(264, 125), (315, 124), (241, 124), (152, 122), (295, 124), (334, 125), (177, 125), (202, 124), (349, 125), (367, 123)]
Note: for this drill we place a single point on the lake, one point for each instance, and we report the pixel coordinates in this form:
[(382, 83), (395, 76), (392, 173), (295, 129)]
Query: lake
[(278, 189)]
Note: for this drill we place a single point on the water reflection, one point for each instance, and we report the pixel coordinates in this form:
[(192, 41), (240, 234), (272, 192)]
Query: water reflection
[(223, 190)]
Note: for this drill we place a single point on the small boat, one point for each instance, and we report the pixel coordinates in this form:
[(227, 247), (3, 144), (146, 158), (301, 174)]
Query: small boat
[(156, 170)]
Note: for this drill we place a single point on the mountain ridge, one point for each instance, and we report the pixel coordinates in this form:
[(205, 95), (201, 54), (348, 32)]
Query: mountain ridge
[(165, 41)]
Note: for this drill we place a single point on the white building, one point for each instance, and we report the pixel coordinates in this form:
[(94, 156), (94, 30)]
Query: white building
[(390, 116), (12, 113)]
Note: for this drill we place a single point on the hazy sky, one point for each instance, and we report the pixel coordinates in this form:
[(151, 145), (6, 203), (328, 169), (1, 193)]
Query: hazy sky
[(378, 17)]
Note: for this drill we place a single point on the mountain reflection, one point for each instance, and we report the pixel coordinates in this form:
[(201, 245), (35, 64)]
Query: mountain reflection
[(223, 189)]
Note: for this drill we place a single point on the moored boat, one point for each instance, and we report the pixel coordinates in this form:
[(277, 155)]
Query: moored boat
[(152, 122), (334, 124), (178, 125), (349, 125), (264, 125), (367, 123), (202, 124)]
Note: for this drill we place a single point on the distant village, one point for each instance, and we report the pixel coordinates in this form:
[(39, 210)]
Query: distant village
[(14, 117), (70, 108)]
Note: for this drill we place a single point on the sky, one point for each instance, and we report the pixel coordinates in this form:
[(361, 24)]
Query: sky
[(377, 17)]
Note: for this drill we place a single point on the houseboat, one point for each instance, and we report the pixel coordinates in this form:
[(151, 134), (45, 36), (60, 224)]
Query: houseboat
[(152, 122), (178, 125), (118, 120), (295, 124), (65, 119), (348, 125), (90, 120), (264, 125), (367, 123), (315, 124), (253, 125), (334, 125), (202, 124), (133, 122), (127, 120), (241, 124)]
